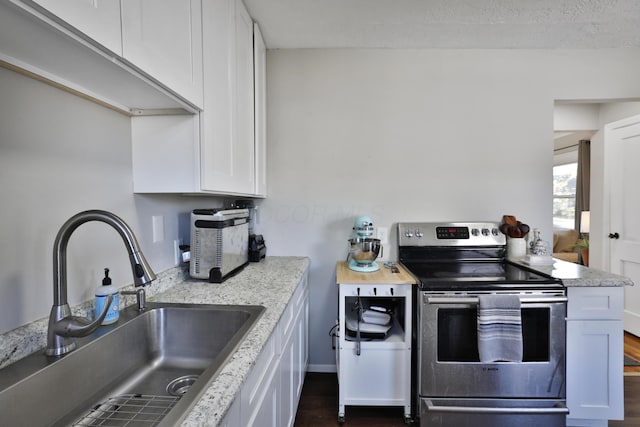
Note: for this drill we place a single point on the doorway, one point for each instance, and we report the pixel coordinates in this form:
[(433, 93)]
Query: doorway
[(608, 122)]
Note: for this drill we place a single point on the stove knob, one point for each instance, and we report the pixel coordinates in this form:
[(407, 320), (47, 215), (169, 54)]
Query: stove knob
[(408, 234), (485, 231), (495, 231), (419, 233), (475, 232)]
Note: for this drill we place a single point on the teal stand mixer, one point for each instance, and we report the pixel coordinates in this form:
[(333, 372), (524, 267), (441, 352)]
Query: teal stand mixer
[(363, 249)]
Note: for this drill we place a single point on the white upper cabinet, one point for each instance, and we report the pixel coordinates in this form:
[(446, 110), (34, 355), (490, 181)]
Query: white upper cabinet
[(164, 39), (98, 19), (227, 122), (135, 56), (223, 151)]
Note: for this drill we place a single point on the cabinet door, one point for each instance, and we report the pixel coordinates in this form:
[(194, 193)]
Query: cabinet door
[(227, 146), (260, 101), (164, 39), (293, 360), (244, 119), (98, 19), (260, 391), (594, 369), (265, 414), (287, 379)]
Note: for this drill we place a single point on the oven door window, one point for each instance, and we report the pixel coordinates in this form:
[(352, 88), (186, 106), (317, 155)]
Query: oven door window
[(458, 334)]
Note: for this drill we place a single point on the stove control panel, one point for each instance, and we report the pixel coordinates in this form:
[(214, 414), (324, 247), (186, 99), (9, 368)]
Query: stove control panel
[(450, 234), (454, 232)]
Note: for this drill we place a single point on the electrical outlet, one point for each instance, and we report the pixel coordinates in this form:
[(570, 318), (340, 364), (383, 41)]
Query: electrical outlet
[(382, 233), (177, 253)]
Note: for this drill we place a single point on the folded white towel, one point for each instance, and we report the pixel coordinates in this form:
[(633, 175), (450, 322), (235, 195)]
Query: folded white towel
[(499, 328), (376, 317)]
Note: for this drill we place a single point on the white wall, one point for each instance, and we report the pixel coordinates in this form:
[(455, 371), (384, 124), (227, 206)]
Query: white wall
[(406, 135), (572, 116), (397, 135), (60, 155)]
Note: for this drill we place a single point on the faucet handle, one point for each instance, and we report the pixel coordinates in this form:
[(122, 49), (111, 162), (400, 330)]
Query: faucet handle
[(140, 297)]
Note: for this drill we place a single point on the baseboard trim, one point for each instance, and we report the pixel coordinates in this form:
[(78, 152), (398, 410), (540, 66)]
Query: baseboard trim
[(321, 368)]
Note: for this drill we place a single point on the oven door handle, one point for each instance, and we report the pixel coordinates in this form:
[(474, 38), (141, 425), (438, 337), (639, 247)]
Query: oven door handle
[(558, 408), (474, 300)]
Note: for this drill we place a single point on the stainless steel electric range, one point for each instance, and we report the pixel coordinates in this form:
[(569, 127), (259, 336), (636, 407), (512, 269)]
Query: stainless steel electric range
[(456, 265)]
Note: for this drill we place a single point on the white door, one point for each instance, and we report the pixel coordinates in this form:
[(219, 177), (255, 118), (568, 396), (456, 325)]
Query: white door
[(622, 148)]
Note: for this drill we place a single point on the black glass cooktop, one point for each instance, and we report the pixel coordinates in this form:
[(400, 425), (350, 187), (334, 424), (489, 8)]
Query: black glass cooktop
[(477, 274)]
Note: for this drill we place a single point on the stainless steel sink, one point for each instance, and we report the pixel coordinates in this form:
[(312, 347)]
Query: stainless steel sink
[(158, 362)]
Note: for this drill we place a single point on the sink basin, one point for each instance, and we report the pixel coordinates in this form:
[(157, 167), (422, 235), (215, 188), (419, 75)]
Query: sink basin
[(149, 366)]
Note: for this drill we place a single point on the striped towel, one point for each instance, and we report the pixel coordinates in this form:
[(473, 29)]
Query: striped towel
[(499, 328)]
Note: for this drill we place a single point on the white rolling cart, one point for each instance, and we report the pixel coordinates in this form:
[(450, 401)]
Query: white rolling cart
[(374, 371)]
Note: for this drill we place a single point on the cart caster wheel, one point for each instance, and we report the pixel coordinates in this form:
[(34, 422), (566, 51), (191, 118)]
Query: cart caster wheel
[(340, 419)]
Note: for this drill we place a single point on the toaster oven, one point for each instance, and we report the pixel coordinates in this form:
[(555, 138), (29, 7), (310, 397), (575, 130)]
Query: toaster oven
[(219, 243)]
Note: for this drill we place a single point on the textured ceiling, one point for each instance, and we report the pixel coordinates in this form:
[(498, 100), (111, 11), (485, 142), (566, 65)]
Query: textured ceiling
[(448, 24)]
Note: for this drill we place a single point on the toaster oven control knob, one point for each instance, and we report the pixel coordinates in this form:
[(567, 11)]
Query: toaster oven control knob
[(419, 233), (475, 232)]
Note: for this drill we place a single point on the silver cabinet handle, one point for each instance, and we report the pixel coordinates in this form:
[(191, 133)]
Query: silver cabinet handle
[(558, 408), (474, 300)]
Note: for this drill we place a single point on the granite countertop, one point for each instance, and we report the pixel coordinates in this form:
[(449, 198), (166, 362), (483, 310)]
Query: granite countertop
[(269, 283), (573, 275)]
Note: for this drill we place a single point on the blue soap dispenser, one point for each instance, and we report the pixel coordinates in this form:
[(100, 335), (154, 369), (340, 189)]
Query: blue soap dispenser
[(101, 299)]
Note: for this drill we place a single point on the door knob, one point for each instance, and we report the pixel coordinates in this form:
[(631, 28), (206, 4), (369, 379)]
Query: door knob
[(614, 235)]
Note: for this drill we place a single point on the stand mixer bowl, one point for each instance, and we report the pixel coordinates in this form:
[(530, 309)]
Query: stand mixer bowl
[(364, 250)]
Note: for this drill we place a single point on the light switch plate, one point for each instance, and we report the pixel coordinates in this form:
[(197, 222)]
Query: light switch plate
[(157, 222), (382, 233)]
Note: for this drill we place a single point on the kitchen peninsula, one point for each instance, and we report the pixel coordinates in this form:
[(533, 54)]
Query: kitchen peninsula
[(595, 342)]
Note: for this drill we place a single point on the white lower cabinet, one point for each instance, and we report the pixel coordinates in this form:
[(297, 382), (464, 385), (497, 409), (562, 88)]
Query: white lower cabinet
[(271, 392), (595, 353)]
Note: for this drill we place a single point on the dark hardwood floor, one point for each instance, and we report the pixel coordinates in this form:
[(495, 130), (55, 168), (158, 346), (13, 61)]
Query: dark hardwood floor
[(319, 402), (319, 407), (632, 350)]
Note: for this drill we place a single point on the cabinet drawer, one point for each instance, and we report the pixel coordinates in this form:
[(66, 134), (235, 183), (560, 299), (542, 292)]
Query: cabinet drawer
[(595, 303)]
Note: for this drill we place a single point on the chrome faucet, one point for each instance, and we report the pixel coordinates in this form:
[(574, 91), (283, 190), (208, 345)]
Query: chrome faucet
[(63, 326)]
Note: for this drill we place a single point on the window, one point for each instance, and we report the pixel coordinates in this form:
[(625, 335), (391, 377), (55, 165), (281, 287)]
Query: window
[(564, 195)]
